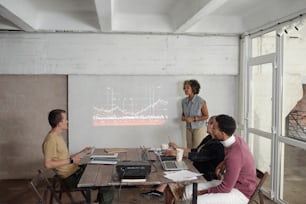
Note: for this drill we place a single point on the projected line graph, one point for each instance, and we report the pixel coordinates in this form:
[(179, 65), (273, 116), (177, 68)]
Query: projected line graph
[(118, 110)]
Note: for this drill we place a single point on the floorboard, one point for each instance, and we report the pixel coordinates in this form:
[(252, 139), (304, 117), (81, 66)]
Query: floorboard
[(19, 192)]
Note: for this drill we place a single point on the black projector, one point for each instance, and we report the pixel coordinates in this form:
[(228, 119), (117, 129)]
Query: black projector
[(133, 169)]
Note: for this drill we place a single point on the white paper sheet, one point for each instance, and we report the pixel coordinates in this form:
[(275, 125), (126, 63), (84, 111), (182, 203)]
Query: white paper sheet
[(183, 175)]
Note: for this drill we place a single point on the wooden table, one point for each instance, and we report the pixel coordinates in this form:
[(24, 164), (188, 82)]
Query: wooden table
[(96, 176)]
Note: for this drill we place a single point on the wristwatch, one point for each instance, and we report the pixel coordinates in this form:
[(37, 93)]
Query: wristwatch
[(71, 160)]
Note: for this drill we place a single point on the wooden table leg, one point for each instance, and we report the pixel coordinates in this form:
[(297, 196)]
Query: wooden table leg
[(88, 196), (194, 193)]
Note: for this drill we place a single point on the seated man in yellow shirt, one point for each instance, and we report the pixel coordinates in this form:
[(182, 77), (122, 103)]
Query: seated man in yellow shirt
[(56, 156)]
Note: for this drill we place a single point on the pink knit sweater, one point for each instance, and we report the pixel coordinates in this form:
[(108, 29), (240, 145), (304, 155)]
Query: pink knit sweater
[(240, 169)]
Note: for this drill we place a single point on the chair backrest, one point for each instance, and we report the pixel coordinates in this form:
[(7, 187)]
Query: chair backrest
[(42, 188), (261, 179)]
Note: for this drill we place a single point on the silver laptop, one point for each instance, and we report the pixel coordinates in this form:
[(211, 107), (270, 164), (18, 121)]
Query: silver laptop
[(172, 165), (87, 157)]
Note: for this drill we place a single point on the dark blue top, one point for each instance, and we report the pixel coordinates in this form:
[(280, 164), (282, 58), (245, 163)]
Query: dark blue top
[(207, 156)]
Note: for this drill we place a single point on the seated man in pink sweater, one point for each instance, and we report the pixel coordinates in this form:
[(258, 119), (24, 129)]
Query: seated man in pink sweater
[(239, 180)]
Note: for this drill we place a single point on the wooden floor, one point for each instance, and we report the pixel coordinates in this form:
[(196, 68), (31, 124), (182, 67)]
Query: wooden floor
[(19, 192)]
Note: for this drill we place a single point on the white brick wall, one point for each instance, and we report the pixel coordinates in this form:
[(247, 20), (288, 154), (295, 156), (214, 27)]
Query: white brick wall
[(127, 54)]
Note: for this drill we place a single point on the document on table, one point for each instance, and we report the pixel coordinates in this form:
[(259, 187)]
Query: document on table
[(109, 155), (183, 175), (115, 150), (104, 159)]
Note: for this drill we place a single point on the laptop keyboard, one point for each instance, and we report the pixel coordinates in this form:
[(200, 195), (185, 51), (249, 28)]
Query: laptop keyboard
[(170, 165)]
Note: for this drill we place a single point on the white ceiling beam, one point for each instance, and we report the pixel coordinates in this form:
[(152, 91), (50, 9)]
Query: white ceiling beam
[(104, 10), (7, 25), (16, 19), (196, 14)]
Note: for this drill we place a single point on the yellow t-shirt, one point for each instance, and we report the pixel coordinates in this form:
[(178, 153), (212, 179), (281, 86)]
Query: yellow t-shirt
[(55, 148)]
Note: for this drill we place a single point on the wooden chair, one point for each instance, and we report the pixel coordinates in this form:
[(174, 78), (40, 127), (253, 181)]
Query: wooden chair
[(261, 179), (40, 184), (61, 188)]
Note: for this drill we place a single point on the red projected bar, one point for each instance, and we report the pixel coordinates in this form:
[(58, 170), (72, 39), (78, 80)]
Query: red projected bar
[(136, 122)]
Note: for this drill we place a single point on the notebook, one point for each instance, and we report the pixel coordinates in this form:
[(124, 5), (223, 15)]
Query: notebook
[(172, 165)]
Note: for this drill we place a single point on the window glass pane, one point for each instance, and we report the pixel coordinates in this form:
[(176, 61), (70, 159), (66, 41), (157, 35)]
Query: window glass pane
[(261, 149), (264, 44), (261, 97), (294, 177), (294, 85)]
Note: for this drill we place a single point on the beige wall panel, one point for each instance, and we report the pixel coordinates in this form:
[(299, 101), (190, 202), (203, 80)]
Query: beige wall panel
[(25, 102)]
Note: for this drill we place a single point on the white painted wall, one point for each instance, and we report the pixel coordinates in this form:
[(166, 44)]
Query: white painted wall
[(132, 94), (211, 58), (79, 53)]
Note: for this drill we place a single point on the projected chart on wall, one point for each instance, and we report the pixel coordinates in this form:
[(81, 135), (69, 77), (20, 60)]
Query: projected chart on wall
[(119, 107)]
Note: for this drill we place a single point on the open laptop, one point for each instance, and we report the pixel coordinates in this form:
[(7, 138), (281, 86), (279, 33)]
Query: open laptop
[(87, 157), (172, 165)]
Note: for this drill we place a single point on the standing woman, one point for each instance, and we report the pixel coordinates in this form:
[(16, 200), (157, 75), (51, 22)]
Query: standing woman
[(195, 113)]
